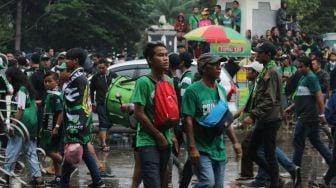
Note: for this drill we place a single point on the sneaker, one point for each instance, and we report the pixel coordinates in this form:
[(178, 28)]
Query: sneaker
[(256, 184), (36, 182), (55, 181), (98, 184), (104, 174)]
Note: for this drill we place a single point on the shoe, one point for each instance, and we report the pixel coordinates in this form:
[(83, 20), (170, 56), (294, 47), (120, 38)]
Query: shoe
[(55, 181), (256, 184), (244, 178), (36, 182), (104, 174), (98, 184)]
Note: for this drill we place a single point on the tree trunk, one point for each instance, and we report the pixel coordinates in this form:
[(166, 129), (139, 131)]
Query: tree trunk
[(18, 25)]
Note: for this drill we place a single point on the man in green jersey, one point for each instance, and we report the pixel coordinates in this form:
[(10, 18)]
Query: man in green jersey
[(153, 145), (207, 155)]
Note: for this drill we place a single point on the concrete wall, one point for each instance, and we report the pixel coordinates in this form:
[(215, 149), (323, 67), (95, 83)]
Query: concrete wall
[(257, 15)]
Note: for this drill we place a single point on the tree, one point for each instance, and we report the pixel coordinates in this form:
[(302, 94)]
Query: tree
[(316, 16)]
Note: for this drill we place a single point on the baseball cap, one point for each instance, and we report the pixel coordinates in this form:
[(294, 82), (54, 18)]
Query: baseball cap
[(45, 56), (209, 58), (265, 46), (256, 66), (63, 66)]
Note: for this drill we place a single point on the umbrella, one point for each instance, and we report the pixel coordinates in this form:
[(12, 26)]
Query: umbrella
[(223, 40)]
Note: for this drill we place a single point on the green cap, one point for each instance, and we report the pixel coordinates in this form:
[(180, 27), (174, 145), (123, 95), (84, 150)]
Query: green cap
[(63, 66)]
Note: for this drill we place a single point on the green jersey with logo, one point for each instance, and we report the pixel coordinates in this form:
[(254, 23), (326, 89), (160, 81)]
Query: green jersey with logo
[(197, 102), (305, 100)]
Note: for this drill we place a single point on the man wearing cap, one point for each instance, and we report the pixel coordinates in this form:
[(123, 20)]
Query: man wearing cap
[(252, 72), (266, 112), (207, 155)]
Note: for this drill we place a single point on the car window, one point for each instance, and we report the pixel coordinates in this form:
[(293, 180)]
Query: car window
[(126, 72), (143, 71)]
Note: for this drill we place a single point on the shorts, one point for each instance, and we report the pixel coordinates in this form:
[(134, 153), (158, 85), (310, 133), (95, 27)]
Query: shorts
[(104, 123)]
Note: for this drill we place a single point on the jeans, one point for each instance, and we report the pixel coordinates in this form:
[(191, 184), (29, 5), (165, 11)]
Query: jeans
[(311, 131), (153, 165), (284, 161), (90, 162), (210, 173), (246, 161), (15, 144), (331, 173), (266, 137)]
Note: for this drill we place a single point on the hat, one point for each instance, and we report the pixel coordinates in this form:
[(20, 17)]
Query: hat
[(62, 54), (256, 66), (253, 52), (265, 46), (209, 58), (63, 66), (45, 56)]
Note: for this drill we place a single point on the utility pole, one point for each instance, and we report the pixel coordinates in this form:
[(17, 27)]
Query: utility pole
[(18, 25)]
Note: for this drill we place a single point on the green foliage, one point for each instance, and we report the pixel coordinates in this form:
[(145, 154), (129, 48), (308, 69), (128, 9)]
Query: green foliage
[(316, 16)]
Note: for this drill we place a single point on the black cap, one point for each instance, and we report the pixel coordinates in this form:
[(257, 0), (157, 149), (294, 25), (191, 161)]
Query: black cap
[(265, 46)]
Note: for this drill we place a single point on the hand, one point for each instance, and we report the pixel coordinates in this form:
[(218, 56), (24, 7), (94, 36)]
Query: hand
[(238, 150), (124, 108), (55, 132), (194, 155), (94, 108), (323, 120), (11, 131), (162, 142), (247, 121), (175, 144)]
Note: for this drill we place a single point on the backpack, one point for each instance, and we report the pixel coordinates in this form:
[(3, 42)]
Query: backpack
[(330, 110), (166, 113)]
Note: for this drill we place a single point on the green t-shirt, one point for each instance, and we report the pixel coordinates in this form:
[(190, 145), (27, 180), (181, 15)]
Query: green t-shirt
[(53, 107), (197, 102), (193, 21), (28, 105), (217, 18), (305, 100), (227, 21), (288, 72), (185, 82), (143, 95), (237, 18)]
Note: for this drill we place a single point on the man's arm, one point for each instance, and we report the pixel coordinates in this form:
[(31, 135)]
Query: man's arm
[(148, 125), (236, 145), (194, 153), (320, 103)]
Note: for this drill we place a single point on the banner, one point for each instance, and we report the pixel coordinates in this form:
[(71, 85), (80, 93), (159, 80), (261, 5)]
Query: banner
[(231, 49)]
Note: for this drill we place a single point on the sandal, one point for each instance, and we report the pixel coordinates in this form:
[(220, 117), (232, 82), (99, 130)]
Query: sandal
[(105, 148)]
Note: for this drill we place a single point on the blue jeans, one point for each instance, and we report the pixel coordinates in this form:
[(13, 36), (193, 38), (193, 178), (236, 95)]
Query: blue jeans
[(90, 162), (14, 146), (310, 130), (284, 161), (153, 165), (210, 173)]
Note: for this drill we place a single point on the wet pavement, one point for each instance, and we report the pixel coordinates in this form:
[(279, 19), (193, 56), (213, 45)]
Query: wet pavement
[(120, 162)]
